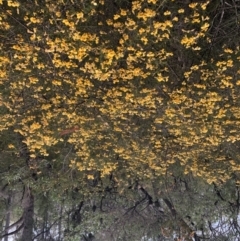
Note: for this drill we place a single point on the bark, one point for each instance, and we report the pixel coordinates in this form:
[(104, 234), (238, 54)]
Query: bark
[(45, 227), (171, 207), (28, 198), (7, 223), (60, 223), (7, 217), (186, 231), (28, 212)]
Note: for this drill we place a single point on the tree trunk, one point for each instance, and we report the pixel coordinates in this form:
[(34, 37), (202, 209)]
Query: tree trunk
[(60, 223), (7, 217), (28, 212), (7, 222), (45, 227)]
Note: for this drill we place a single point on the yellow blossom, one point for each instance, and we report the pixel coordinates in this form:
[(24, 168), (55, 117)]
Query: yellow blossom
[(79, 15), (167, 13), (116, 16), (205, 27), (144, 40), (181, 10), (204, 5), (227, 50), (193, 5), (123, 12), (12, 3), (188, 41)]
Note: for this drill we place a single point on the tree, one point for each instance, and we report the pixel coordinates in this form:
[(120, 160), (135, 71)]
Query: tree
[(125, 89)]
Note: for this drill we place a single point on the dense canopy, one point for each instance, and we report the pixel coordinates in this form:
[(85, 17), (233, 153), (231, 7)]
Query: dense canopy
[(119, 92)]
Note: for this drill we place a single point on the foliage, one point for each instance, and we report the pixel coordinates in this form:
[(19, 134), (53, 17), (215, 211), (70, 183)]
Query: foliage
[(136, 86), (106, 93)]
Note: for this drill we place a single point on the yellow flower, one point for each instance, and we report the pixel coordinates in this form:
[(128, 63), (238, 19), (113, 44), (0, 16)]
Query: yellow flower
[(116, 16), (188, 41), (196, 48), (141, 30), (205, 27), (91, 177), (109, 22), (56, 82), (34, 20), (193, 5), (195, 67), (167, 13), (45, 106), (228, 51), (203, 6), (11, 3), (144, 40), (181, 10), (123, 12), (196, 20), (58, 14), (79, 15), (35, 126), (33, 80), (230, 63), (150, 13), (168, 23), (125, 36), (152, 1)]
